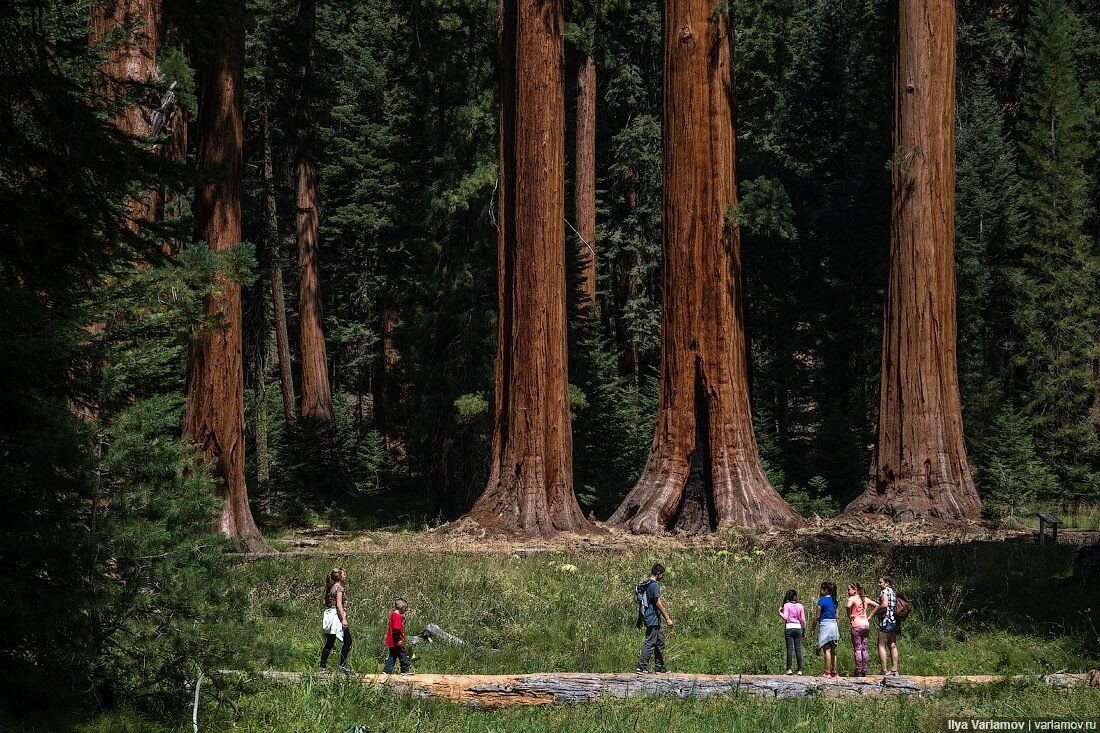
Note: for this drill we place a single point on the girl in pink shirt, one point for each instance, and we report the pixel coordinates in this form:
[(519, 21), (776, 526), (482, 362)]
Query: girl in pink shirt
[(793, 614)]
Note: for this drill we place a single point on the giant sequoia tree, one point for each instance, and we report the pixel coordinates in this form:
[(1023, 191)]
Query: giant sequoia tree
[(316, 392), (214, 418), (920, 467), (704, 467), (132, 28), (530, 485), (584, 199)]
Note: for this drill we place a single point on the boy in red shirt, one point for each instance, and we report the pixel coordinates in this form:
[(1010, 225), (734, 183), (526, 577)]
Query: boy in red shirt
[(395, 639)]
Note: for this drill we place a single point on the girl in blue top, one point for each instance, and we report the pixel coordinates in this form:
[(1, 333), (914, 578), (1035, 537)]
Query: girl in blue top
[(828, 634)]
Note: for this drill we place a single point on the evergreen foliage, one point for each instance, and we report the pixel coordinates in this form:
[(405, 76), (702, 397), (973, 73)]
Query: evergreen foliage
[(106, 514)]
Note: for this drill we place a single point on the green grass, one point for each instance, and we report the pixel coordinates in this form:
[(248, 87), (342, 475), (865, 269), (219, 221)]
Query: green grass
[(987, 608), (978, 609), (1079, 517)]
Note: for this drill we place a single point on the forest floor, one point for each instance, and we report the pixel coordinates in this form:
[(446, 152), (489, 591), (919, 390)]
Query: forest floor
[(461, 537)]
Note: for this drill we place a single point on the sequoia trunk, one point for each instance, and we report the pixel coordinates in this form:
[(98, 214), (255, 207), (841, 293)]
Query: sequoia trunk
[(316, 392), (278, 300), (584, 200), (131, 67), (920, 468), (530, 486), (704, 467), (214, 418)]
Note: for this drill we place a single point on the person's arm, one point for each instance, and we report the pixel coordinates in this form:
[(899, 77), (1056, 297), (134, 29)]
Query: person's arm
[(802, 620), (664, 614), (340, 608), (817, 618), (880, 605), (874, 607)]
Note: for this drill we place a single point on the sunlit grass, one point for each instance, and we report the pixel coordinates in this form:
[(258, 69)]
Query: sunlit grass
[(987, 608)]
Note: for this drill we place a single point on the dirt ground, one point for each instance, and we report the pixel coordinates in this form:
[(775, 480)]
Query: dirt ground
[(463, 537)]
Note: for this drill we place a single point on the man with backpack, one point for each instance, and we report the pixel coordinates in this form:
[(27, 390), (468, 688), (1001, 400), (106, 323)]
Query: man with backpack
[(650, 613)]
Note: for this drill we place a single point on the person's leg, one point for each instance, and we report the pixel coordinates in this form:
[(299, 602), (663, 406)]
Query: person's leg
[(330, 642), (882, 650), (798, 647), (830, 657), (345, 648), (659, 651), (391, 659), (865, 658), (648, 647), (403, 657), (788, 637), (894, 652)]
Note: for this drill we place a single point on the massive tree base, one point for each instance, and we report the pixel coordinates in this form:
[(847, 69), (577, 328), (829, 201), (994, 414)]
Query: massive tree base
[(495, 691), (911, 500)]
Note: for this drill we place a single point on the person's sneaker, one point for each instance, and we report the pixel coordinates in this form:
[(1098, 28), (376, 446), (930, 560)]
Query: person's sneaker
[(788, 672), (346, 669), (322, 670), (642, 670), (799, 673), (662, 670)]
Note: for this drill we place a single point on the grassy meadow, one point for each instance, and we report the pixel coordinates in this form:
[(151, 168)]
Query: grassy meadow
[(983, 608)]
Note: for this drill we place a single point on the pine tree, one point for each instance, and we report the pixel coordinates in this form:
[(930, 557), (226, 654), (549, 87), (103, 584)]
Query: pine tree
[(1058, 313)]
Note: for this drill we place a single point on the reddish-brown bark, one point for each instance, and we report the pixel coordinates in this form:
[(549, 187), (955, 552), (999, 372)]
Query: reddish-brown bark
[(584, 194), (316, 392), (214, 417), (278, 300), (530, 487), (920, 467), (131, 66), (704, 467)]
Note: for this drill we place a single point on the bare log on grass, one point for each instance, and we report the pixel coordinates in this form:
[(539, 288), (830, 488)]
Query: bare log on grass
[(494, 691), (433, 633)]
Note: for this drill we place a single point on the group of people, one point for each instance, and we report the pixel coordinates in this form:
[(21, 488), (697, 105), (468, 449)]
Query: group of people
[(861, 610)]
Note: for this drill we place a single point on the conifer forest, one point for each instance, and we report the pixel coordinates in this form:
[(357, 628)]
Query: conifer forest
[(524, 269)]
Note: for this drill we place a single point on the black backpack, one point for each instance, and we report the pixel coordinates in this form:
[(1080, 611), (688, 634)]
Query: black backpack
[(641, 597)]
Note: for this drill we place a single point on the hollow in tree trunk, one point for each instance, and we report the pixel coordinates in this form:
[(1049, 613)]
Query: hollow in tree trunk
[(920, 468), (530, 487), (214, 416), (584, 199), (704, 468), (316, 392)]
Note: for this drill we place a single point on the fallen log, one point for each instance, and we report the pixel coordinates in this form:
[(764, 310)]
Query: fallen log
[(495, 691), (432, 633)]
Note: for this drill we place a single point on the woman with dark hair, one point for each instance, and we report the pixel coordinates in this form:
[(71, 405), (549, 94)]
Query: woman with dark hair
[(793, 614), (889, 626), (334, 621), (828, 633)]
